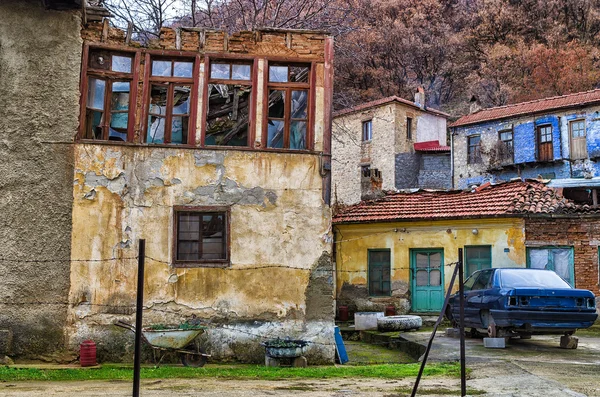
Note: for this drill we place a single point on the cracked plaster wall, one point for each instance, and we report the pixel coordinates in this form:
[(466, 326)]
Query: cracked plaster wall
[(278, 221), (40, 55)]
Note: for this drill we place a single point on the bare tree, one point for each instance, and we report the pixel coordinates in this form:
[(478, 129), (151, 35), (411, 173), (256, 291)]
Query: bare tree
[(147, 17)]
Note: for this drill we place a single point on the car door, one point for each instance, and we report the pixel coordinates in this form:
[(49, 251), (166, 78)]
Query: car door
[(474, 290)]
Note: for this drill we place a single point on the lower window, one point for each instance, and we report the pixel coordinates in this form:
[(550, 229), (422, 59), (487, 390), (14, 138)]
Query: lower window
[(558, 259), (201, 236), (379, 273), (477, 258)]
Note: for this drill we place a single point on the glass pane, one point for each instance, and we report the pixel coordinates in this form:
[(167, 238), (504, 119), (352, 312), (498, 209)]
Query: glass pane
[(275, 133), (118, 126), (577, 129), (179, 129), (422, 278), (422, 260), (187, 250), (156, 129), (299, 74), (299, 104), (93, 122), (562, 263), (181, 100), (276, 104), (435, 260), (240, 72), (95, 97), (189, 227), (298, 135), (435, 278), (538, 258), (158, 100), (219, 71), (161, 68), (228, 115), (157, 107), (121, 64), (471, 268), (278, 74), (183, 69)]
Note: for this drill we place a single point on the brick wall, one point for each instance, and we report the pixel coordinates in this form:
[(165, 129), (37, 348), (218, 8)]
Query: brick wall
[(583, 234)]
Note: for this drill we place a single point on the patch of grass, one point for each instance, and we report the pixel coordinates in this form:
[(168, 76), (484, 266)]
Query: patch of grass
[(247, 372), (594, 330)]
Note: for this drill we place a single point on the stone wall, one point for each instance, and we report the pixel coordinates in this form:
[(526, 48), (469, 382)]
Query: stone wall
[(40, 55), (435, 171)]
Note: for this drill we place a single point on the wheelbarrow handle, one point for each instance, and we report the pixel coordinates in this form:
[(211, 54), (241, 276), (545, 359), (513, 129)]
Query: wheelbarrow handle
[(125, 325)]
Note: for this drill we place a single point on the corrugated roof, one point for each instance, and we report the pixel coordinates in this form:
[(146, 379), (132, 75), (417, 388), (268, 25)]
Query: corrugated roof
[(383, 101), (431, 146), (502, 200), (537, 106)]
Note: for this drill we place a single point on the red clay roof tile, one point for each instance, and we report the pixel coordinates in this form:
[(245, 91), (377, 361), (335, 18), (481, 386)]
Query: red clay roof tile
[(384, 101)]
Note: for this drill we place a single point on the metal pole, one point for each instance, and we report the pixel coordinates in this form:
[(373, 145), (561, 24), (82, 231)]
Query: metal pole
[(461, 292), (138, 319)]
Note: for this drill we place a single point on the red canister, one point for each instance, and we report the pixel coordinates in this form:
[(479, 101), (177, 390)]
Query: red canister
[(343, 313), (87, 353), (390, 310)]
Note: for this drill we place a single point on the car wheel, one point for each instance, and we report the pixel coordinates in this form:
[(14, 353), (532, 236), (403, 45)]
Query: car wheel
[(450, 317), (492, 331)]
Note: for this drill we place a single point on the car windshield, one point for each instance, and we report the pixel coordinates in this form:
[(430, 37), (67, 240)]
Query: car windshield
[(514, 278)]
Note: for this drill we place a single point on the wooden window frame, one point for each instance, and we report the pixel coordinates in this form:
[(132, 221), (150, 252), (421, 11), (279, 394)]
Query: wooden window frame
[(231, 59), (476, 157), (538, 139), (409, 129), (202, 262), (369, 271), (288, 87), (550, 248), (171, 82), (466, 263), (109, 77), (364, 133), (571, 123), (511, 140)]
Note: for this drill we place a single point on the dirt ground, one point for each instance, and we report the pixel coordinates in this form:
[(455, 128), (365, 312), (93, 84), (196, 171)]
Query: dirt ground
[(527, 368)]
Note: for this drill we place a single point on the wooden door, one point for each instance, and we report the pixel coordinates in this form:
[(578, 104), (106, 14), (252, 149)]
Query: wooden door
[(427, 268), (544, 139), (578, 139)]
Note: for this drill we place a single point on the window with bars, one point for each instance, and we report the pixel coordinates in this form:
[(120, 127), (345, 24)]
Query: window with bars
[(474, 149), (172, 87), (288, 106), (108, 103), (201, 236), (379, 265), (228, 112)]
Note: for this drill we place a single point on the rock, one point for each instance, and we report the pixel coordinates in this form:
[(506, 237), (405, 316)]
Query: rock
[(569, 342), (5, 360)]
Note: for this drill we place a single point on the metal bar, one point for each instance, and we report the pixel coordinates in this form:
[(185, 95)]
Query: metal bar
[(138, 319), (435, 327), (461, 292)]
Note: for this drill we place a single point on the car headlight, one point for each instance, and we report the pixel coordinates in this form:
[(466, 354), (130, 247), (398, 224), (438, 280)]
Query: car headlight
[(591, 303)]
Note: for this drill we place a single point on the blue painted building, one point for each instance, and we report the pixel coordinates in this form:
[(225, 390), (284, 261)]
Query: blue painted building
[(554, 138)]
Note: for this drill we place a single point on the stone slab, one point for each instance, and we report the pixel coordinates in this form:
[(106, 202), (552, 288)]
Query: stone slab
[(494, 343)]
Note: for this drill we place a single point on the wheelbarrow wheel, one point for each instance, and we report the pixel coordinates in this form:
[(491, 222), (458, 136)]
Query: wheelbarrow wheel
[(194, 359)]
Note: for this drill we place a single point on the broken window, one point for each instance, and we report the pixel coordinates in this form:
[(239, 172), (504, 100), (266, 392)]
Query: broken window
[(578, 139), (229, 98), (507, 147), (477, 258), (287, 118), (367, 130), (108, 100), (379, 272), (474, 149), (201, 236), (544, 139), (408, 128), (558, 259), (172, 89)]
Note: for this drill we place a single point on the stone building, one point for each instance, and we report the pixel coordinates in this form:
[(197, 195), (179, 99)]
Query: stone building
[(388, 144), (214, 148), (554, 138)]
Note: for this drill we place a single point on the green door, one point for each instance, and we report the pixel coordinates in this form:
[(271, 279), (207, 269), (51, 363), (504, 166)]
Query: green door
[(427, 267)]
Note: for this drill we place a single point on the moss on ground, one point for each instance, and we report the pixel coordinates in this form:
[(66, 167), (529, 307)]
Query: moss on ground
[(360, 353)]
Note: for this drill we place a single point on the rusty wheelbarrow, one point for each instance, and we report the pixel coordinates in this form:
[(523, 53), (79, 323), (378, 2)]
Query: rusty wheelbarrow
[(173, 340)]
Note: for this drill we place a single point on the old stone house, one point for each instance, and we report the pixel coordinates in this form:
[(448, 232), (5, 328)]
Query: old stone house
[(554, 138), (214, 148), (401, 249), (388, 144)]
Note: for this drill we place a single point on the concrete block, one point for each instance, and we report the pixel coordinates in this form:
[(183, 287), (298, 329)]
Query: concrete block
[(6, 337), (569, 342), (494, 343), (271, 362), (452, 332), (364, 321), (300, 362)]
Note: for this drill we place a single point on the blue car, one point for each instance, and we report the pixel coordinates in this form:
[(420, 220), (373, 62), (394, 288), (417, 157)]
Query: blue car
[(522, 302)]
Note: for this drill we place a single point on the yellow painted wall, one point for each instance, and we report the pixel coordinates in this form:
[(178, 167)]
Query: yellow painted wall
[(353, 241)]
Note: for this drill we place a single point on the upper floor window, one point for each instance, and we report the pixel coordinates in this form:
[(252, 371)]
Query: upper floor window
[(577, 134), (288, 104), (474, 149), (544, 140), (201, 236), (409, 128), (228, 113), (108, 104), (507, 147), (367, 130), (172, 90)]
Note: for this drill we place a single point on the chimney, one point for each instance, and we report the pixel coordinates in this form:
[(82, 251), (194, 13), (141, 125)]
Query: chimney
[(420, 97), (474, 105)]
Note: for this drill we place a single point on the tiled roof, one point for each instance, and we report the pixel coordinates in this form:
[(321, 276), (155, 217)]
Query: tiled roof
[(509, 199), (383, 101), (540, 105), (431, 146)]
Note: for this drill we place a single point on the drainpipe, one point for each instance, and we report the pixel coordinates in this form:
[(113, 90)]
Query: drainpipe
[(328, 85), (452, 156)]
